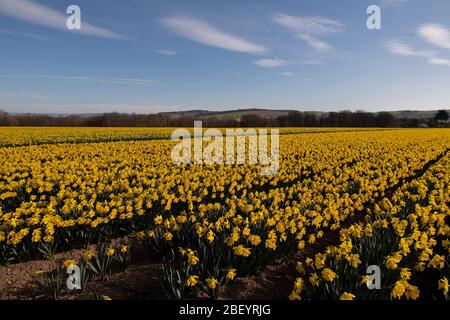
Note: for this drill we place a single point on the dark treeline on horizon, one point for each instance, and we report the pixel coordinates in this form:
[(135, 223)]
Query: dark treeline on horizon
[(292, 119)]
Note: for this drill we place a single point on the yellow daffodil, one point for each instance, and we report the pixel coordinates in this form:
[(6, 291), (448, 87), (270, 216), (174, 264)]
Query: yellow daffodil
[(347, 296), (328, 274), (212, 283), (88, 255), (231, 274), (69, 263), (443, 285), (192, 281), (110, 252)]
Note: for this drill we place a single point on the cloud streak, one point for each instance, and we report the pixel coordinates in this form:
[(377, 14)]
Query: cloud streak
[(310, 28), (439, 61), (202, 32), (35, 13), (166, 52), (435, 34), (286, 74), (271, 63), (119, 81), (392, 3), (403, 49)]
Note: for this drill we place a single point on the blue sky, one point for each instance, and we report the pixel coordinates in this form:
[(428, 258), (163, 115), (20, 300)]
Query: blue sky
[(149, 56)]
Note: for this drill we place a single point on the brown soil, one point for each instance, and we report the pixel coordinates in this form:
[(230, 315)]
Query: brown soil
[(141, 280), (16, 278)]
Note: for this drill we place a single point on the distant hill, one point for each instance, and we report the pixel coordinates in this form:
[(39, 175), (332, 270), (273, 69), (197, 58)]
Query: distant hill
[(230, 114), (237, 114), (269, 113), (410, 114)]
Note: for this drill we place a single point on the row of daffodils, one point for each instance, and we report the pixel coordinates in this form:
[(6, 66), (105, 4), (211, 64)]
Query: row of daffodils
[(26, 136)]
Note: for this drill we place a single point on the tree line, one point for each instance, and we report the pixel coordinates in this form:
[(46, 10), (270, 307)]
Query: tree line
[(292, 119)]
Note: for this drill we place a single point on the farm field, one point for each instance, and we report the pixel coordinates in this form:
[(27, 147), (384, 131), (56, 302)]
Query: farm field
[(342, 200)]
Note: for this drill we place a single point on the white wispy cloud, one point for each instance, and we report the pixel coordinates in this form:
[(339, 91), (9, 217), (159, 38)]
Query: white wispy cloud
[(440, 61), (278, 62), (435, 34), (202, 32), (270, 63), (38, 14), (392, 3), (310, 28), (125, 81), (25, 35), (286, 74), (405, 50), (119, 81), (311, 62), (400, 48), (166, 52)]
